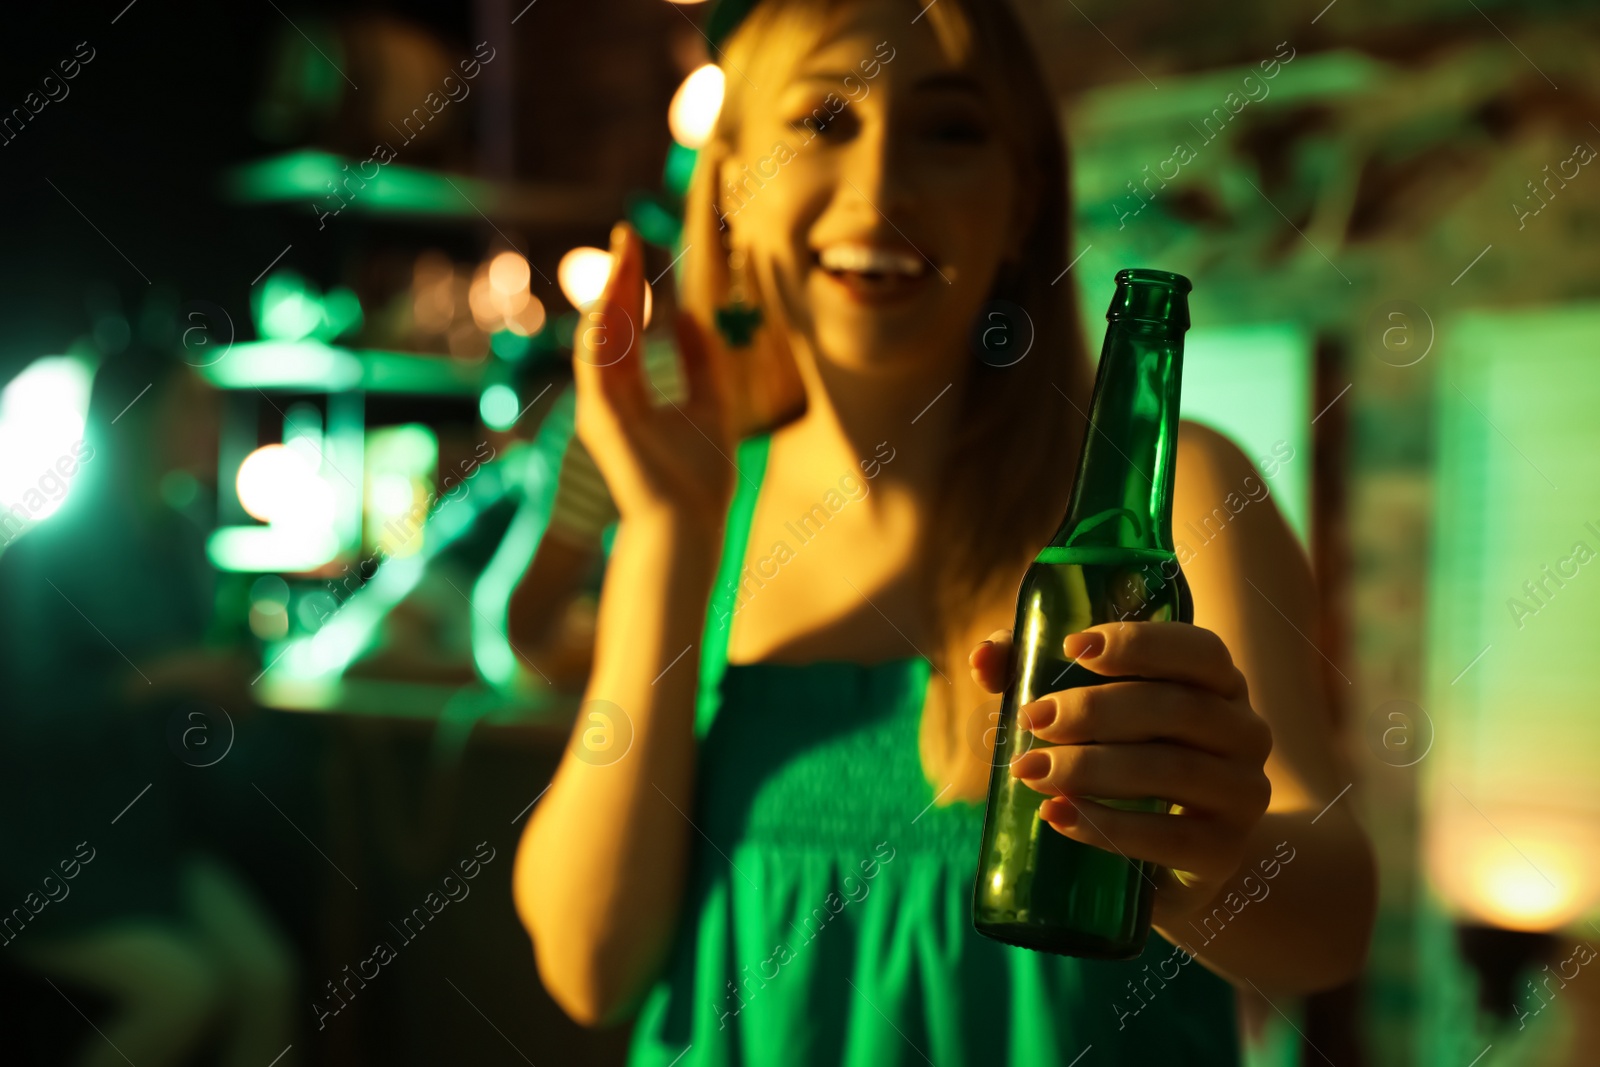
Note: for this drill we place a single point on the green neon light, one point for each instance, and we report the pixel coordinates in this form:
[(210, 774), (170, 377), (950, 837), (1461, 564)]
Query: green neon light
[(498, 407), (316, 366), (510, 346), (679, 168), (326, 654), (305, 364), (411, 450), (270, 549), (1253, 383), (498, 663), (330, 183)]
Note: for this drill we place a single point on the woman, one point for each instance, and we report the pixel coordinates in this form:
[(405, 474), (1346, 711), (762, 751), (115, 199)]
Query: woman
[(778, 870)]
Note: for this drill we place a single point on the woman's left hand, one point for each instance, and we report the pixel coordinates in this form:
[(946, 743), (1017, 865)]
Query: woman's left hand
[(1184, 731)]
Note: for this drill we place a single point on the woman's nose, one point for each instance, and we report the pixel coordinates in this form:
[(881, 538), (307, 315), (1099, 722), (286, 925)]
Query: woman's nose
[(881, 172)]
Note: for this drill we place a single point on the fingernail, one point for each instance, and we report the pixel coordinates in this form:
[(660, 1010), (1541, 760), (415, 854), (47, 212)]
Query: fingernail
[(1084, 645), (1037, 715), (1058, 810), (1030, 765)]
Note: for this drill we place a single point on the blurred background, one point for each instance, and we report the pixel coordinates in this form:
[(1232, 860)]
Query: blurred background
[(264, 672)]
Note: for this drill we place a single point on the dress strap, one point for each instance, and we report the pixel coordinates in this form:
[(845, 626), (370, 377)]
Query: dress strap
[(751, 458)]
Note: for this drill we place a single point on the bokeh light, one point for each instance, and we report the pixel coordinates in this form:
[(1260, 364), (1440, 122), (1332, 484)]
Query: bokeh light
[(1547, 879), (277, 485), (42, 413), (509, 273), (582, 275), (692, 114), (498, 407)]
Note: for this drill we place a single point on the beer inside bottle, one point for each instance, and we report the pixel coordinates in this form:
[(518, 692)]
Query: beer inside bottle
[(1112, 559)]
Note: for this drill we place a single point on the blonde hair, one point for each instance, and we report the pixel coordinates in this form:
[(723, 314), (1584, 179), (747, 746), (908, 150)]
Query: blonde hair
[(1024, 419)]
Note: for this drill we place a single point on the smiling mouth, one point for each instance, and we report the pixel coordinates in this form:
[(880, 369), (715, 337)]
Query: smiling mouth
[(873, 274)]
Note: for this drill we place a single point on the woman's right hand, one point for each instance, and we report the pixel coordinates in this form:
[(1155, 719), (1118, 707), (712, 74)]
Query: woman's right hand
[(672, 462)]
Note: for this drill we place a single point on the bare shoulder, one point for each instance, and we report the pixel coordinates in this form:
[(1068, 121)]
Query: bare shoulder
[(1226, 525), (1213, 471), (1253, 586), (1208, 457)]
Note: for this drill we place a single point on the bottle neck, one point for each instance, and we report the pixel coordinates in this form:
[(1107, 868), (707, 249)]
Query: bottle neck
[(1122, 497)]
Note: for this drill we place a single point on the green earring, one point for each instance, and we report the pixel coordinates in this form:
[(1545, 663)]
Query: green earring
[(737, 320)]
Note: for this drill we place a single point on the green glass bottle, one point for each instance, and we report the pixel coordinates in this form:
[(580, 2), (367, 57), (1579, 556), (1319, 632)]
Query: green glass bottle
[(1112, 559)]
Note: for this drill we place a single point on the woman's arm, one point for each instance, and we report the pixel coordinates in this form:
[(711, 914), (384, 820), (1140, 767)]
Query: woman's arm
[(541, 599), (1253, 587), (600, 871)]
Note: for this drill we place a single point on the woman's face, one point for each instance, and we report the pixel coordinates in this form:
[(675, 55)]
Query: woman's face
[(874, 182)]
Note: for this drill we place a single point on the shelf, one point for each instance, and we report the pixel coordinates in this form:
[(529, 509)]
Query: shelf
[(368, 186), (318, 367)]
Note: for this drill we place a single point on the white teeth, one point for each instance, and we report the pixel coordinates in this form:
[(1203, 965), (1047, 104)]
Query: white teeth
[(863, 260)]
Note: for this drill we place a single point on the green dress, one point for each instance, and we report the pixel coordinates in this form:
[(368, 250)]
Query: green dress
[(827, 919)]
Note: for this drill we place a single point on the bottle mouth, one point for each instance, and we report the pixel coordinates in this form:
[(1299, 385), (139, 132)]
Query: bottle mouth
[(1141, 276), (1159, 297)]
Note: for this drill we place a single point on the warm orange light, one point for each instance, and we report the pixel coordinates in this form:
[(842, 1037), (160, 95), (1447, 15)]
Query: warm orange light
[(499, 295), (508, 273), (433, 292), (1531, 868), (528, 320), (1522, 899), (582, 275), (692, 115), (485, 308)]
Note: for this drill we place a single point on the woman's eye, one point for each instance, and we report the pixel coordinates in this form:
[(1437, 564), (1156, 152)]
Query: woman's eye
[(821, 122), (959, 131), (810, 125)]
